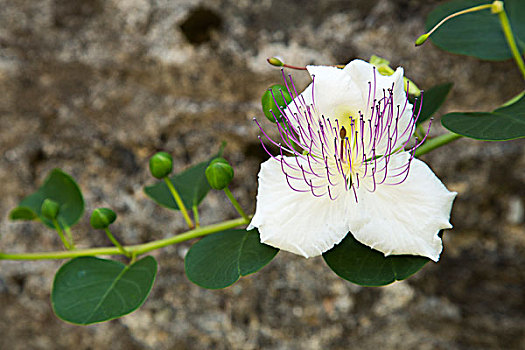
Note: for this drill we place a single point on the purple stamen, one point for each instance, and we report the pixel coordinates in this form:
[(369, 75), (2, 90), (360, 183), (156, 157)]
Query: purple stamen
[(312, 190), (330, 194), (356, 155)]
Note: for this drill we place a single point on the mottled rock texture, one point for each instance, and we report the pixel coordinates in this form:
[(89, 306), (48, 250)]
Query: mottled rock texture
[(95, 87)]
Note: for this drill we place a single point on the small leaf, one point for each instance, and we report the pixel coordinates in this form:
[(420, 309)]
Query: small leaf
[(505, 123), (191, 184), (433, 98), (477, 34), (22, 213), (219, 260), (273, 102), (365, 266), (60, 188), (88, 290)]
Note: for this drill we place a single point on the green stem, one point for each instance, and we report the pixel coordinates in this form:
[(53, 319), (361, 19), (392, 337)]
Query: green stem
[(235, 203), (420, 132), (436, 142), (505, 25), (117, 243), (61, 234), (196, 216), (70, 237), (179, 202), (462, 12), (133, 249)]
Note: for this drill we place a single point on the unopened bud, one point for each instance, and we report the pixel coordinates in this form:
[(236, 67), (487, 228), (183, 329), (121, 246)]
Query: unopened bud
[(275, 61), (219, 173), (411, 87), (102, 218), (50, 209), (382, 65), (421, 40), (274, 102), (161, 165)]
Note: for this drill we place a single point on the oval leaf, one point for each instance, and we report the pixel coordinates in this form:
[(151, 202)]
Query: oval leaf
[(433, 98), (59, 187), (219, 260), (191, 184), (477, 34), (505, 123), (365, 266), (274, 100), (88, 290), (516, 12)]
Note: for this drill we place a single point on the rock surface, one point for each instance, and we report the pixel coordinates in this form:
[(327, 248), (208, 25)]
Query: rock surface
[(95, 87)]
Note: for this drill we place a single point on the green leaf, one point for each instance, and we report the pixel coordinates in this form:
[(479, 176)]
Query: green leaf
[(505, 123), (22, 213), (59, 187), (365, 266), (88, 290), (516, 12), (433, 98), (269, 106), (219, 260), (191, 184), (477, 34)]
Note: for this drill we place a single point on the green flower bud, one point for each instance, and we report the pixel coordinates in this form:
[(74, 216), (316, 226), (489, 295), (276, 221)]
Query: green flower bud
[(421, 40), (102, 218), (161, 165), (275, 61), (382, 65), (273, 103), (50, 209), (219, 160), (219, 173), (412, 87)]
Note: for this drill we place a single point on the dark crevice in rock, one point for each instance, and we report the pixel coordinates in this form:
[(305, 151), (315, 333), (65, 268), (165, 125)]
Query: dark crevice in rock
[(198, 25)]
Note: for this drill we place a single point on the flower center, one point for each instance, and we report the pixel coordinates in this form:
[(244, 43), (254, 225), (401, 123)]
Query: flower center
[(351, 150)]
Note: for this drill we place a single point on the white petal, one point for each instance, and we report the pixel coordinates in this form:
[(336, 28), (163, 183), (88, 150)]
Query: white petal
[(334, 88), (297, 222), (362, 73), (404, 218)]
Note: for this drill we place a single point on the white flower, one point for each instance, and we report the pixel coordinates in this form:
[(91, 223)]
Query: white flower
[(349, 171)]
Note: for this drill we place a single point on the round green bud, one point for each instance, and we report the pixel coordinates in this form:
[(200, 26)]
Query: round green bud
[(219, 160), (102, 218), (50, 209), (273, 101), (161, 165), (219, 173)]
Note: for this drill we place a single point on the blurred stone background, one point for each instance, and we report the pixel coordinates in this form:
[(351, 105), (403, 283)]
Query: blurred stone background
[(95, 87)]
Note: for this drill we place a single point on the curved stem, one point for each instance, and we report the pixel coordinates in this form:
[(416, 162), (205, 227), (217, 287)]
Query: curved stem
[(505, 25), (117, 243), (61, 234), (195, 210), (133, 249), (436, 142), (70, 237), (459, 13), (235, 203), (179, 202)]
